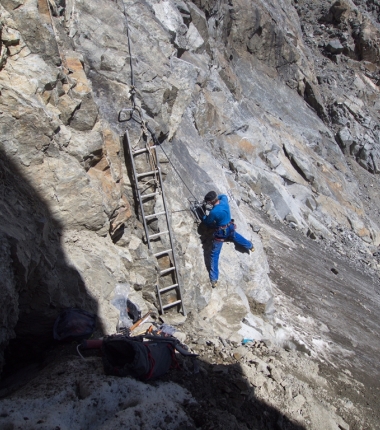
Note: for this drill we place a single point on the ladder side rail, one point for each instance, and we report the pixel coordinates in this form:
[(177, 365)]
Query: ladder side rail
[(166, 216), (169, 229), (159, 299), (137, 187)]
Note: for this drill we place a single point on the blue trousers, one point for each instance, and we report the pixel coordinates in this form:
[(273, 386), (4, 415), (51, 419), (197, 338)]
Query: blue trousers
[(229, 234)]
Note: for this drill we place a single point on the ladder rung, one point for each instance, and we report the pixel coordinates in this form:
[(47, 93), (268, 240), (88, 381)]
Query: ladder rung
[(165, 271), (152, 172), (158, 234), (141, 151), (158, 254), (171, 304), (168, 288), (145, 196), (154, 215)]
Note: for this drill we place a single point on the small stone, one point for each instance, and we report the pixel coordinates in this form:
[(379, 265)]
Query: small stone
[(84, 390), (288, 392), (311, 234), (226, 389), (291, 219), (334, 47), (267, 343), (223, 355), (275, 374), (298, 401), (342, 424), (269, 385), (224, 342), (250, 357), (242, 350), (348, 404), (259, 380), (262, 367), (242, 384), (220, 368), (237, 356), (180, 336)]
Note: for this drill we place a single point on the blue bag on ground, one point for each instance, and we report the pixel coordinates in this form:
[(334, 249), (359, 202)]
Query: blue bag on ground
[(74, 324)]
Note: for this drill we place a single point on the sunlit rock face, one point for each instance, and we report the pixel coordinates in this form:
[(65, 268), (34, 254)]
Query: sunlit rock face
[(262, 102)]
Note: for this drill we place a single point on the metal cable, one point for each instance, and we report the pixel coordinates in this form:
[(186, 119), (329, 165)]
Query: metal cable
[(55, 35), (134, 107), (133, 89), (174, 168)]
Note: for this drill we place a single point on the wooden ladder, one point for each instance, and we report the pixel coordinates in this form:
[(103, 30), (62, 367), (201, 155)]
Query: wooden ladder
[(150, 194)]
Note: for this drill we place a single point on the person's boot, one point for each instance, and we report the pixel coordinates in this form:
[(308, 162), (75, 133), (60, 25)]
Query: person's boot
[(214, 284)]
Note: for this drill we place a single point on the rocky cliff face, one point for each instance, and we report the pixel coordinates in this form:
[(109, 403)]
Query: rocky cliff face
[(273, 103)]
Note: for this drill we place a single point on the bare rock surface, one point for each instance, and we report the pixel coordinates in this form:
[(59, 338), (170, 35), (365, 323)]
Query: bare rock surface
[(274, 104)]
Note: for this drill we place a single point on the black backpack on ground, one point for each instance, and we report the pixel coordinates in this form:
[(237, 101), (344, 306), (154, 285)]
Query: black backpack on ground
[(144, 360)]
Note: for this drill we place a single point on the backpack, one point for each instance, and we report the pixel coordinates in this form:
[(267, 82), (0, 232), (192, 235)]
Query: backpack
[(144, 360), (74, 324)]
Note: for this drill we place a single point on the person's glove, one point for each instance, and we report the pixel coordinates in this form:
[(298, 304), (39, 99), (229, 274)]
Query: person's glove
[(207, 206)]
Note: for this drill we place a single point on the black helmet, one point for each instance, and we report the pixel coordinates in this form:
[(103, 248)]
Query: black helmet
[(211, 197)]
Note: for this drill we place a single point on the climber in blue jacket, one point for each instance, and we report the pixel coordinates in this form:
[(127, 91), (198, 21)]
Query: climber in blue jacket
[(219, 218)]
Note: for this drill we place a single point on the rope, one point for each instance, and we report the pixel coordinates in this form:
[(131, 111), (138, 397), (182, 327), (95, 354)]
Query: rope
[(79, 352), (152, 161)]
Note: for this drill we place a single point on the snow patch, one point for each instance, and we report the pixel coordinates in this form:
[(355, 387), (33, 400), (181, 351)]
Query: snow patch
[(88, 399)]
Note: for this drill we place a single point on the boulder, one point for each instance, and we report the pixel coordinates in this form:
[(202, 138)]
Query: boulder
[(345, 140), (86, 147), (334, 47), (339, 11), (199, 20), (85, 115)]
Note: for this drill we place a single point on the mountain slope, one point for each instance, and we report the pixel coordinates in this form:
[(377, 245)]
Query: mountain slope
[(273, 103)]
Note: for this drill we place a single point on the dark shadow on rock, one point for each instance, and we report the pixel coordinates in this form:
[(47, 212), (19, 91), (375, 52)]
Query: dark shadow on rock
[(36, 281), (129, 170), (225, 400), (240, 248), (206, 238)]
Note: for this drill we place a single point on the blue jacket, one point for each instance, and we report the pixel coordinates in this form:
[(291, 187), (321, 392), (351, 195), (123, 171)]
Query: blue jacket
[(220, 214)]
